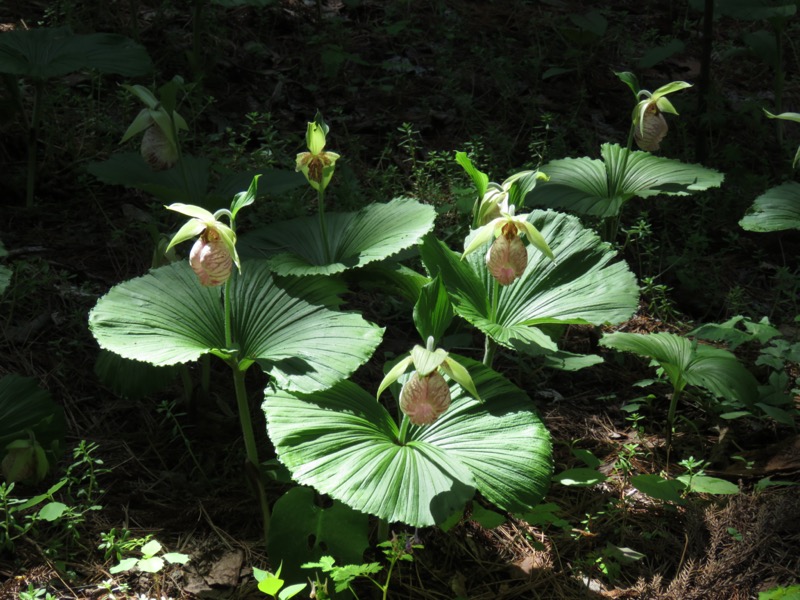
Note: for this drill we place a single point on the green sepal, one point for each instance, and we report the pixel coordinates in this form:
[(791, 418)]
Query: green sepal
[(664, 105), (394, 374), (139, 124), (458, 373), (482, 236), (143, 94), (190, 229), (534, 236), (670, 88), (426, 361), (190, 210)]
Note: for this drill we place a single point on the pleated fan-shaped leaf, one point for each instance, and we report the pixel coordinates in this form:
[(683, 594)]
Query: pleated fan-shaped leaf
[(776, 209), (600, 188), (166, 317), (46, 52), (355, 239), (583, 285), (345, 444)]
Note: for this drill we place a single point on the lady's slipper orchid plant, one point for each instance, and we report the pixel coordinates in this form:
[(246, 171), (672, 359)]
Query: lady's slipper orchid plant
[(426, 395), (160, 124), (214, 253), (649, 124), (507, 257)]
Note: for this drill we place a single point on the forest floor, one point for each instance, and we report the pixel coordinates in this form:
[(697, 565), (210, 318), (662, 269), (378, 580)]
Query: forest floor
[(403, 85)]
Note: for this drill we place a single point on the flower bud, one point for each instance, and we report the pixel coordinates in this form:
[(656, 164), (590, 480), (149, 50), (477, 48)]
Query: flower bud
[(157, 151), (507, 257), (211, 259), (652, 129), (424, 399)]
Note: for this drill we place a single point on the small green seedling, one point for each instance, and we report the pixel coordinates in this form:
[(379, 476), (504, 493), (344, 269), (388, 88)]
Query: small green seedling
[(150, 562), (272, 584)]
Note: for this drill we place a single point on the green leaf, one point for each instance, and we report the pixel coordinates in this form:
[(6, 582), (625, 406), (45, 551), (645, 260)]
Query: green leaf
[(345, 444), (270, 585), (580, 477), (52, 511), (705, 484), (781, 593), (43, 53), (582, 185), (129, 169), (657, 487), (24, 406), (488, 519), (433, 311), (584, 285), (630, 80), (126, 564), (660, 53), (291, 591), (151, 548), (355, 239), (303, 531), (775, 210), (132, 378), (151, 565), (480, 179), (391, 279), (167, 317), (176, 558), (245, 198), (713, 369), (5, 278)]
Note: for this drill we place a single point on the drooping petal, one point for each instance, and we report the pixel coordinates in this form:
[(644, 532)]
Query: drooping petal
[(507, 259), (425, 399)]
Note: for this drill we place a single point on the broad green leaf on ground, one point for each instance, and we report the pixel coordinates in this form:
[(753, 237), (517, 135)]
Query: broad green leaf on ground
[(24, 406), (658, 487), (345, 444), (45, 52), (128, 169), (582, 285), (704, 484), (685, 362), (775, 210), (354, 239), (587, 186), (304, 531), (580, 477), (166, 317)]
